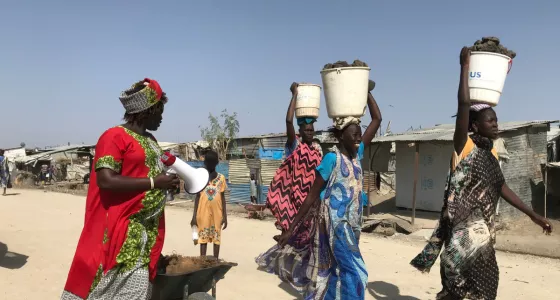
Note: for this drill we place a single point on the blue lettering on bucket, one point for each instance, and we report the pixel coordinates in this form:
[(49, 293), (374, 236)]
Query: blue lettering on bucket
[(474, 74)]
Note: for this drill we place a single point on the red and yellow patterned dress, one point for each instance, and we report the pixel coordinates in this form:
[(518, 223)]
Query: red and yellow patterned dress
[(123, 232)]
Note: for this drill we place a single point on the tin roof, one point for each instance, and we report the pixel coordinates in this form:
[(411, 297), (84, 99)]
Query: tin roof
[(262, 136), (322, 135), (445, 132), (554, 165), (553, 134), (46, 155)]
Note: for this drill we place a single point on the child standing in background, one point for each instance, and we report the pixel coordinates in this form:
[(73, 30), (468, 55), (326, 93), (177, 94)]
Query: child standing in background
[(253, 189), (210, 207)]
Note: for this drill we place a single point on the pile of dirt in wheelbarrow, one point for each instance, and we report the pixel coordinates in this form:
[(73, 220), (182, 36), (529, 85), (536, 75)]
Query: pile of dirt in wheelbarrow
[(178, 264)]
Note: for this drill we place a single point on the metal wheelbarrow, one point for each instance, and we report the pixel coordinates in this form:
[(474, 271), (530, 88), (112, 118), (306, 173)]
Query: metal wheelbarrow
[(255, 210), (180, 286)]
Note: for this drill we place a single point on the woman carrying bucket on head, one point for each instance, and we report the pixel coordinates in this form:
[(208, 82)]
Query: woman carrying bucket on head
[(305, 123), (336, 269), (294, 177), (289, 187), (466, 230)]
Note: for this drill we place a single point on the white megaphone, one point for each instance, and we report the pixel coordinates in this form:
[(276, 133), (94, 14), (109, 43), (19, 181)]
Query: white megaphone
[(195, 179)]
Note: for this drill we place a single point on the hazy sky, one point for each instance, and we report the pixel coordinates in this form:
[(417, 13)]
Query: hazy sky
[(64, 63)]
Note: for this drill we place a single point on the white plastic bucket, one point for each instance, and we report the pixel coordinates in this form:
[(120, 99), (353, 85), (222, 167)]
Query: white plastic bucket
[(308, 100), (487, 75), (346, 91)]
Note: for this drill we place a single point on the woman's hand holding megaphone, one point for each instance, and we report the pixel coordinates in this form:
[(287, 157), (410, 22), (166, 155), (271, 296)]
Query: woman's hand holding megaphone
[(166, 182)]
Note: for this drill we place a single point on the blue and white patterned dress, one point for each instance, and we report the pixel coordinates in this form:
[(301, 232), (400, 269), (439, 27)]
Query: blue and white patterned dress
[(331, 267), (337, 266)]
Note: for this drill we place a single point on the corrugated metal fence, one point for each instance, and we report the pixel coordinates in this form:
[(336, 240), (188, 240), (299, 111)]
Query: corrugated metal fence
[(240, 175), (240, 172), (239, 193), (222, 168)]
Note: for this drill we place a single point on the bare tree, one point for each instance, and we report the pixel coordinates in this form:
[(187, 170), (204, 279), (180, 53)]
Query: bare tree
[(221, 132)]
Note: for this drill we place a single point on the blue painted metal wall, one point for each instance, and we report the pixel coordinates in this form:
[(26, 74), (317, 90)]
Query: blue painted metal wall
[(271, 153), (237, 193), (240, 193), (264, 193), (222, 167)]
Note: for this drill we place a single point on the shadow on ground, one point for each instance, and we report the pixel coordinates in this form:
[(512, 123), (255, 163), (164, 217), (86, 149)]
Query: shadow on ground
[(286, 287), (290, 290), (11, 194), (384, 290), (11, 260)]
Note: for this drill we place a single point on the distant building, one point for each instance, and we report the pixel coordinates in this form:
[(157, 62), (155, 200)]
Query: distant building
[(522, 150), (553, 144)]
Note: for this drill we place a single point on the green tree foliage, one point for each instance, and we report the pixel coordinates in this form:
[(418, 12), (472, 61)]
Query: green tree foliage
[(221, 132)]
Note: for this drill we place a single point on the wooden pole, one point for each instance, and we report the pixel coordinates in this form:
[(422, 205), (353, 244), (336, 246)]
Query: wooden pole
[(369, 183), (416, 162), (214, 288), (545, 186)]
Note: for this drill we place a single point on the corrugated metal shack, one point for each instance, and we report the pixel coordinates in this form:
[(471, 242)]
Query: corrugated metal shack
[(222, 168), (552, 200), (377, 165), (425, 155), (187, 151), (260, 155), (553, 144), (240, 172), (69, 161), (266, 146)]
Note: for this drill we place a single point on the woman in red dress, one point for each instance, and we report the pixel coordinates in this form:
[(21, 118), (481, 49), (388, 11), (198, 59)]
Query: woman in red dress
[(124, 224)]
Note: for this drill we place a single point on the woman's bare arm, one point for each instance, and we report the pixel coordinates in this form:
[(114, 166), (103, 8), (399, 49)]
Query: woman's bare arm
[(108, 179), (514, 200), (375, 114), (224, 211), (196, 200), (312, 197), (290, 130), (464, 103)]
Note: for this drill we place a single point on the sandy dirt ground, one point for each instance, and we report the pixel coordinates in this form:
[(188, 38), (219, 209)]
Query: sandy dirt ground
[(41, 229)]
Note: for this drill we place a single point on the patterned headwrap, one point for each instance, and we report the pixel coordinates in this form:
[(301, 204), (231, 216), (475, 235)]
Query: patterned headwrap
[(143, 99), (476, 108), (341, 123), (306, 120), (479, 106)]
